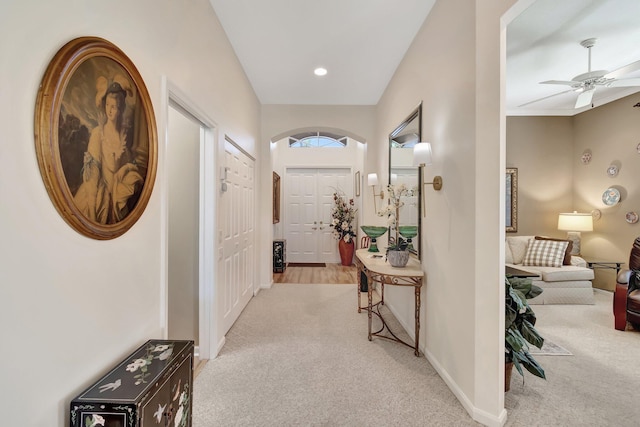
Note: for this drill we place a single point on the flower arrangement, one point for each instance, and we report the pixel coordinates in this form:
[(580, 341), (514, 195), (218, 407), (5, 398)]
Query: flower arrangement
[(343, 214), (392, 211)]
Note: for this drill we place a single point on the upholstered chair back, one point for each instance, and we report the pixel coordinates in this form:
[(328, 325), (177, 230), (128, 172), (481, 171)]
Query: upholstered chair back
[(634, 257)]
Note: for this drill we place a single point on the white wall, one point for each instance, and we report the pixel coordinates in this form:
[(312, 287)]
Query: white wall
[(454, 67), (70, 306)]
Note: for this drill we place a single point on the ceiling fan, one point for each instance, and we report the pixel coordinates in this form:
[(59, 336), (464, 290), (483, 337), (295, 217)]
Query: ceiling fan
[(585, 84)]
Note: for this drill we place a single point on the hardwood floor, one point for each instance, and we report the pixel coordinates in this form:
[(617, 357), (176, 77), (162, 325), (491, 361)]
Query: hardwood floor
[(331, 274)]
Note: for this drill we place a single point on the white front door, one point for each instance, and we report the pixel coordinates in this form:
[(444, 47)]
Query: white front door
[(236, 266), (308, 204)]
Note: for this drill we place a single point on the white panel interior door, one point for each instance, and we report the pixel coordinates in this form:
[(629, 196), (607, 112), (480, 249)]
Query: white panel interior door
[(309, 200), (237, 229)]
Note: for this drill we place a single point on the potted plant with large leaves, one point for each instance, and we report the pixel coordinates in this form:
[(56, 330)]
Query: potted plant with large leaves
[(520, 331)]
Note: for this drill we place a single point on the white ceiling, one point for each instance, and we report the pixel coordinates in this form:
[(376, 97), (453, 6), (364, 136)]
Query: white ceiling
[(361, 43), (280, 42), (543, 43)]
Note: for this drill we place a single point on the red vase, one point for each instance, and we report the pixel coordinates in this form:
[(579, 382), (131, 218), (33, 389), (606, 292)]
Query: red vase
[(346, 251)]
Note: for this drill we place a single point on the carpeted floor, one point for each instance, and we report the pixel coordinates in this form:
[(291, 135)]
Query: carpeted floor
[(597, 386), (298, 356)]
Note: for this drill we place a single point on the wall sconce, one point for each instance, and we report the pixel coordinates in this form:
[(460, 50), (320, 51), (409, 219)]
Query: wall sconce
[(372, 180), (421, 158), (573, 223)]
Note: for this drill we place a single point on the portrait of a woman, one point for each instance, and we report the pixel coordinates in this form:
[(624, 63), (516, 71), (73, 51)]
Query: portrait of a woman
[(96, 139), (110, 176)]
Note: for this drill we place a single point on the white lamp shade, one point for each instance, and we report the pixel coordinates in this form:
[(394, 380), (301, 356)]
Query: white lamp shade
[(372, 179), (422, 154), (575, 221)]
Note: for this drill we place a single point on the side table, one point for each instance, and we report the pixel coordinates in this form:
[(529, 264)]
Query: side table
[(376, 269), (612, 265)]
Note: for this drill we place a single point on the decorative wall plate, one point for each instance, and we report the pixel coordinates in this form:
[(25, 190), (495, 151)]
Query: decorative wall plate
[(611, 196), (631, 217), (612, 170), (586, 157), (596, 214)]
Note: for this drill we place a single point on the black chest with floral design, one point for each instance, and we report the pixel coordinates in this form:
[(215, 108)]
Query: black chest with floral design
[(151, 387)]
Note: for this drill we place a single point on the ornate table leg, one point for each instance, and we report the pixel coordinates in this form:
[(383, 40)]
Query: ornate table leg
[(358, 272), (417, 306), (370, 306)]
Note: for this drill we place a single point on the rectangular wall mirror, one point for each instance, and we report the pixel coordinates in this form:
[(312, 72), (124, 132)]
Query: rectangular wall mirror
[(401, 170)]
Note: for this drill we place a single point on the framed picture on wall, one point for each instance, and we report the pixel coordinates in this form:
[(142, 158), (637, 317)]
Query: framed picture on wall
[(511, 200), (95, 137), (276, 198)]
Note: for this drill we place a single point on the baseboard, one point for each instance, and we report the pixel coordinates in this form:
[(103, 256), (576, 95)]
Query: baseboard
[(220, 345), (477, 414), (265, 286)]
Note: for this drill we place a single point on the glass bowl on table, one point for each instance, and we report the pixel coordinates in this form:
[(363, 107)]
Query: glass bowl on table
[(408, 232), (373, 231)]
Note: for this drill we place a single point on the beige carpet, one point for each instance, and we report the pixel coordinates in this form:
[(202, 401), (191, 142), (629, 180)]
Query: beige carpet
[(299, 356), (598, 386)]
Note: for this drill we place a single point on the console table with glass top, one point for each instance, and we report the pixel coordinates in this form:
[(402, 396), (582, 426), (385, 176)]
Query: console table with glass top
[(374, 267)]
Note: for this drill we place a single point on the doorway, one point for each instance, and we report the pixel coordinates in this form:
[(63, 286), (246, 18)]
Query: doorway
[(183, 215), (308, 204)]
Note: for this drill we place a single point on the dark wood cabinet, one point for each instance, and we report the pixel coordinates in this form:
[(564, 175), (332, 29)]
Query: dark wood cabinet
[(279, 255), (151, 387)]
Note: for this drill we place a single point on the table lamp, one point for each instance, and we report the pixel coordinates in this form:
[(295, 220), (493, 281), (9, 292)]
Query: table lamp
[(573, 223)]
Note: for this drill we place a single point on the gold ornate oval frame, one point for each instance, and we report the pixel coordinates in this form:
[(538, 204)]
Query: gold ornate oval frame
[(99, 167)]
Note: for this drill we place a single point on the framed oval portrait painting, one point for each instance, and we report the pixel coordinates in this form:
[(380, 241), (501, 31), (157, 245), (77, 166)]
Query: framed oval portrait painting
[(95, 138)]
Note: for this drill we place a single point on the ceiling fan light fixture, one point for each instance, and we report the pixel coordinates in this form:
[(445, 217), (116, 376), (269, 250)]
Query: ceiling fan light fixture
[(585, 84)]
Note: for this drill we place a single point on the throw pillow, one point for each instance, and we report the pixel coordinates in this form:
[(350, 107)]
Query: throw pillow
[(508, 256), (518, 246), (545, 253), (567, 253)]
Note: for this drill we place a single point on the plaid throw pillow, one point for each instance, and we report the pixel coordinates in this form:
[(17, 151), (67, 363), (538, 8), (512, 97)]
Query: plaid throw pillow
[(545, 253)]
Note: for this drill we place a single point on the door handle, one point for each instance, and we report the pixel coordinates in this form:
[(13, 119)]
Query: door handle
[(314, 228)]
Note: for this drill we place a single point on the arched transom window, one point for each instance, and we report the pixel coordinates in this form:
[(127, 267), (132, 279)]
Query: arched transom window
[(317, 139)]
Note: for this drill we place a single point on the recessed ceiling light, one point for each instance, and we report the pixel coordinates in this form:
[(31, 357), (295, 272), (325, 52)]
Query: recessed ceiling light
[(320, 71)]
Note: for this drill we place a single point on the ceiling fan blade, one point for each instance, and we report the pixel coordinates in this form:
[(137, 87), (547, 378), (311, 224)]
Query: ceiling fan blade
[(561, 82), (629, 68), (624, 82), (585, 98), (546, 97)]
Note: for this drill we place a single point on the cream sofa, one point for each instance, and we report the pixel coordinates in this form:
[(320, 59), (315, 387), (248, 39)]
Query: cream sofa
[(568, 284)]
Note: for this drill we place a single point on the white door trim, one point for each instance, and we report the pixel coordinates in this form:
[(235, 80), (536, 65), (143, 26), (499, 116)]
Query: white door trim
[(208, 339)]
